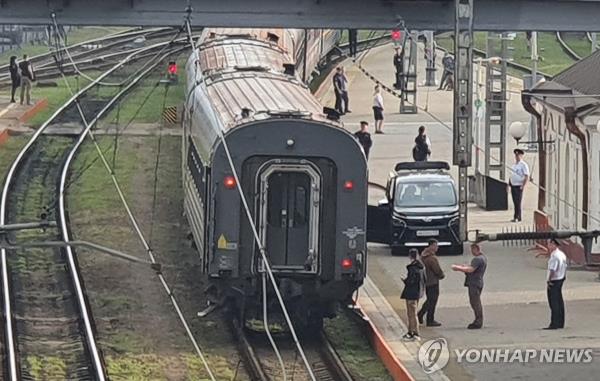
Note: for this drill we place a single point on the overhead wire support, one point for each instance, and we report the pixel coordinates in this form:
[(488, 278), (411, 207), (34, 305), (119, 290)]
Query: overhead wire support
[(262, 251), (87, 132)]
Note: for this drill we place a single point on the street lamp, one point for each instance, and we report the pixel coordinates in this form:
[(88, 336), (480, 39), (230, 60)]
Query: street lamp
[(517, 130)]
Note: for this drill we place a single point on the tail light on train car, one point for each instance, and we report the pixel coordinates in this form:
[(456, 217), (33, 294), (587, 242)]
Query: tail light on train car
[(229, 182), (347, 264), (348, 185)]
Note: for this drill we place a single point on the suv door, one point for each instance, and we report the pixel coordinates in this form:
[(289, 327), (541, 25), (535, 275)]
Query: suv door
[(379, 218)]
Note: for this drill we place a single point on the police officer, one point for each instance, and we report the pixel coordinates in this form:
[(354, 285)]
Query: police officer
[(364, 138), (518, 179), (557, 272)]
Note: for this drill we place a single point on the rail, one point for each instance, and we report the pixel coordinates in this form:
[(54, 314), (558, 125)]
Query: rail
[(566, 48), (11, 355), (327, 364)]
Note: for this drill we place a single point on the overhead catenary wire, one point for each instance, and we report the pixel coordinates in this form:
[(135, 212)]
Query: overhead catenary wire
[(437, 119), (65, 50), (265, 261), (88, 133)]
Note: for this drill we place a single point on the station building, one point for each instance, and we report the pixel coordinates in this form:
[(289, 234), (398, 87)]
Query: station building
[(567, 109)]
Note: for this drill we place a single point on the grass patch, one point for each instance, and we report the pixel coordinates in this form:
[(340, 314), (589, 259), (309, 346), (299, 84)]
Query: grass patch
[(354, 348), (9, 151), (46, 368), (74, 36), (151, 110), (552, 59)]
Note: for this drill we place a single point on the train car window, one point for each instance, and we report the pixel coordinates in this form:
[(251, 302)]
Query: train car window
[(301, 209)]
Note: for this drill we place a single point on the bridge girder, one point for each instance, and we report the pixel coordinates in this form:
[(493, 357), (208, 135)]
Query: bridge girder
[(492, 15)]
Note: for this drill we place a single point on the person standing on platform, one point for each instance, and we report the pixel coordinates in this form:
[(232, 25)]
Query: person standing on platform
[(433, 273), (344, 91), (15, 77), (364, 138), (557, 272), (518, 179), (27, 78), (378, 110), (337, 89), (474, 281), (422, 148), (414, 288), (448, 64), (399, 66)]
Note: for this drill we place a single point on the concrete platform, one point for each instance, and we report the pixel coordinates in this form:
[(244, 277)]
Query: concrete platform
[(14, 115), (514, 297)]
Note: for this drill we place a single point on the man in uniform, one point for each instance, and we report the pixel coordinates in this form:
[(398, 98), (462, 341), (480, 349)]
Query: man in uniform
[(474, 281), (432, 288), (557, 271), (364, 138), (518, 179)]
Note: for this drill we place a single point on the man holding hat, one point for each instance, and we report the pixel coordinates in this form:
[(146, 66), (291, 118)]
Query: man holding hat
[(518, 179), (557, 271)]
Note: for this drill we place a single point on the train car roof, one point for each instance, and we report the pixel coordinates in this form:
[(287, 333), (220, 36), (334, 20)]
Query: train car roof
[(280, 37), (226, 54), (264, 95)]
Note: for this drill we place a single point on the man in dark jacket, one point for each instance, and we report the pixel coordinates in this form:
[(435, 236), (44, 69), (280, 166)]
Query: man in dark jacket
[(364, 138), (414, 288), (399, 66), (422, 148), (434, 273)]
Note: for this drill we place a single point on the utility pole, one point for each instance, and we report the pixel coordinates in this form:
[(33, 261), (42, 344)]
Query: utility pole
[(430, 55), (463, 103), (495, 104), (594, 42), (534, 80)]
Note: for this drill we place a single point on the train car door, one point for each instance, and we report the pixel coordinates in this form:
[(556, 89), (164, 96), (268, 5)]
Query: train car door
[(290, 202)]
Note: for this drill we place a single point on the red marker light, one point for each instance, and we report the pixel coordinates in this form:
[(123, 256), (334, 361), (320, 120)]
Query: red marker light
[(396, 35), (172, 68), (347, 264), (229, 182), (348, 185)]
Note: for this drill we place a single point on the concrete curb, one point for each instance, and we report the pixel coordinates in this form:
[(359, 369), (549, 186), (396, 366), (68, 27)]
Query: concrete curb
[(385, 353), (37, 107)]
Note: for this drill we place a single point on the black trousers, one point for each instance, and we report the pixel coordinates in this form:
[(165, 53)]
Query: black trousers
[(475, 301), (344, 96), (557, 304), (443, 80), (517, 196), (338, 102), (428, 308)]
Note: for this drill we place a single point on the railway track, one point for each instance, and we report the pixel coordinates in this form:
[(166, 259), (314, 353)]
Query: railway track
[(262, 364), (48, 327), (95, 54), (566, 48)]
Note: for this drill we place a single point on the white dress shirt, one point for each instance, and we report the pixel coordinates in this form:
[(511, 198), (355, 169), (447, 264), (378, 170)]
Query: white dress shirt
[(520, 172), (557, 263)]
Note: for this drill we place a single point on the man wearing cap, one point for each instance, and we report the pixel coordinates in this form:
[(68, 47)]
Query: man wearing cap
[(557, 271), (519, 177)]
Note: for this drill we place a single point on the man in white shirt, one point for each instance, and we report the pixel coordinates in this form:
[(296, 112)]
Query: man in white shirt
[(519, 177), (557, 271)]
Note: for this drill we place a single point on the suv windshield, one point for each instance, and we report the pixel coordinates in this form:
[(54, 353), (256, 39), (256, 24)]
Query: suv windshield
[(425, 194)]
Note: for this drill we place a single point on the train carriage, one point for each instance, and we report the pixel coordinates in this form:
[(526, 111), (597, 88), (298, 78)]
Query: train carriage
[(303, 176)]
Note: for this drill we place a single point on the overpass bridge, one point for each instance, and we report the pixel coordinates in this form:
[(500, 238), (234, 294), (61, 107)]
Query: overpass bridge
[(491, 15)]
